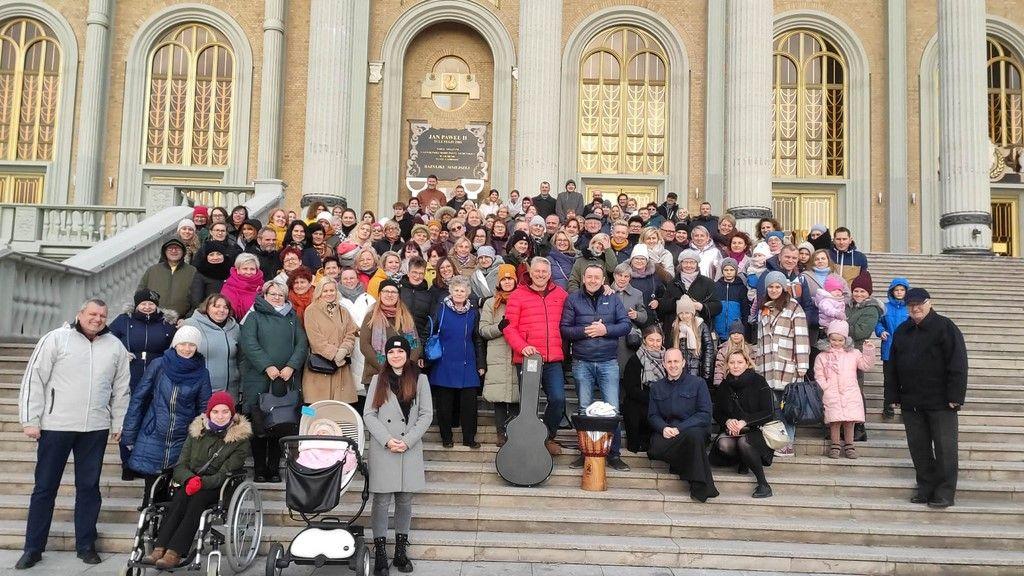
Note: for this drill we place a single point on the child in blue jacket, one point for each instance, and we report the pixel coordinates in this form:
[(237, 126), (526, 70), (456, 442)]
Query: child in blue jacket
[(895, 314)]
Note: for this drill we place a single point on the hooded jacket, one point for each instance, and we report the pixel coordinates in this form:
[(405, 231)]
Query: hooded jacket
[(534, 320), (863, 318), (159, 415), (463, 347), (581, 310), (836, 373), (733, 296), (173, 286), (850, 261), (561, 267), (220, 349), (894, 314), (145, 336), (586, 258), (73, 384), (202, 444)]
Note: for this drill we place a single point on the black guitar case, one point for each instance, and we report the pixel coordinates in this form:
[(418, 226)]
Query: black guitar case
[(524, 460)]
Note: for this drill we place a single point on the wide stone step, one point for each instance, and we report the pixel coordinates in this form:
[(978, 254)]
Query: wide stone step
[(974, 402)]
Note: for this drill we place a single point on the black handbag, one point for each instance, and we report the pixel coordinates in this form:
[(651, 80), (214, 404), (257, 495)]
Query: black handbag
[(278, 415), (321, 365), (802, 403)]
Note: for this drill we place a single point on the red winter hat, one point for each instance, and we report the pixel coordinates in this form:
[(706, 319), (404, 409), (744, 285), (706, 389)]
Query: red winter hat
[(201, 210), (219, 398)]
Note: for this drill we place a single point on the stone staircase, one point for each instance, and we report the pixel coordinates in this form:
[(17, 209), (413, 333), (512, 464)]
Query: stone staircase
[(827, 516)]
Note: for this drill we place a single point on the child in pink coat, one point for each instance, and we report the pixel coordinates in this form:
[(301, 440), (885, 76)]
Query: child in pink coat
[(836, 371), (831, 303), (320, 454)]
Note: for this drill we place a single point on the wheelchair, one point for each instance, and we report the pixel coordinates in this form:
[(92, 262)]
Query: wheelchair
[(234, 522)]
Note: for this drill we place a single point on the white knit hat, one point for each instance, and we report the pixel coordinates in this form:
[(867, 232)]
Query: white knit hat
[(189, 334), (186, 223), (325, 215)]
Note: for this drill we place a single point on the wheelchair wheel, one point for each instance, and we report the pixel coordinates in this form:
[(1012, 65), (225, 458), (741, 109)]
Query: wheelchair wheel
[(130, 571), (244, 526), (275, 554)]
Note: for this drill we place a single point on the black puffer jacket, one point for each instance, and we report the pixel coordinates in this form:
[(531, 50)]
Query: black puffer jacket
[(701, 290), (420, 301)]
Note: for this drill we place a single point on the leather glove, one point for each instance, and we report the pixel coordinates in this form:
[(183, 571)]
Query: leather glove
[(193, 485), (503, 324)]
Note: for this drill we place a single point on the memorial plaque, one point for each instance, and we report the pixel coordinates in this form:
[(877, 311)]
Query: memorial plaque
[(450, 153)]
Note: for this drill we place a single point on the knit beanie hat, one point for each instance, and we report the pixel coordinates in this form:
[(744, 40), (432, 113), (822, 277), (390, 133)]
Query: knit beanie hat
[(775, 234), (689, 254), (388, 282), (775, 277), (839, 327), (189, 334), (325, 215), (518, 236), (819, 228), (682, 227), (200, 211), (685, 304), (220, 398), (863, 280), (506, 271), (537, 221), (146, 295), (396, 342), (729, 262), (806, 246), (763, 250), (640, 251), (485, 252), (736, 328), (833, 283), (186, 223)]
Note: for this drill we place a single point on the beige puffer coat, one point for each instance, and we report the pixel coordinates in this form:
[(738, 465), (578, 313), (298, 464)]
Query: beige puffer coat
[(500, 381)]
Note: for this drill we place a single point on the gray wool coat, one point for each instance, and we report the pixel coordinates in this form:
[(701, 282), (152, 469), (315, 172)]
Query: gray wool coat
[(632, 299), (391, 472)]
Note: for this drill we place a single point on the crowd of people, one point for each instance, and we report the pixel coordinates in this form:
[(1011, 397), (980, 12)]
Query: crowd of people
[(689, 326)]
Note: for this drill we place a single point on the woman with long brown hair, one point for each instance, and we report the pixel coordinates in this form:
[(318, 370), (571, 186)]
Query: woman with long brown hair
[(388, 317), (397, 414)]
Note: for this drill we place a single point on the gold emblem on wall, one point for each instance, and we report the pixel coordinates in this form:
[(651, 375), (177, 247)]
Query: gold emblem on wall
[(450, 84)]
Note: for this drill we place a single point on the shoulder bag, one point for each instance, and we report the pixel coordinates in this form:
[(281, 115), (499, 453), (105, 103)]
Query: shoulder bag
[(320, 364), (775, 436), (432, 350)]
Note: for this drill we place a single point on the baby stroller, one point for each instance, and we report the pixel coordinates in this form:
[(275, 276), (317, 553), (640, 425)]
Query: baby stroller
[(321, 462), (234, 521)]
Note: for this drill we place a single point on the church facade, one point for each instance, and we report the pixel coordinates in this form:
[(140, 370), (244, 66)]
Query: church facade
[(901, 119)]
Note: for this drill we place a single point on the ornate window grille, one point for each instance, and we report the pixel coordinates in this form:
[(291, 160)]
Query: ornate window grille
[(623, 104), (1005, 108), (810, 98), (189, 103), (30, 74)]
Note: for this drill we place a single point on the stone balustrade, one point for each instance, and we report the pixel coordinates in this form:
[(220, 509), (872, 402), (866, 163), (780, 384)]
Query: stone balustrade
[(44, 293), (57, 231)]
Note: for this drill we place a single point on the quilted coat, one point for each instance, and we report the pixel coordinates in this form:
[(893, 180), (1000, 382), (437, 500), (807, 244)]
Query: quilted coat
[(836, 372), (145, 337), (896, 313), (534, 319), (202, 444), (269, 339), (500, 382), (463, 348)]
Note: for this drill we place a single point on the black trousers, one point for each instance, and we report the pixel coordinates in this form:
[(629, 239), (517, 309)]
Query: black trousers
[(447, 399), (179, 524), (266, 455), (932, 440), (685, 454), (634, 419)]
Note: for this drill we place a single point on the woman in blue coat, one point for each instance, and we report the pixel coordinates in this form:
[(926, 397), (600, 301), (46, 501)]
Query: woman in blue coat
[(455, 376), (173, 391)]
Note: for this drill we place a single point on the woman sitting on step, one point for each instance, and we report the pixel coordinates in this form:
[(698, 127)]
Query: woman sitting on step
[(743, 404)]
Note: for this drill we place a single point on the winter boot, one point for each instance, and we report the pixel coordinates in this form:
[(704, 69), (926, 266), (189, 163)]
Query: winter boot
[(401, 561), (380, 556)]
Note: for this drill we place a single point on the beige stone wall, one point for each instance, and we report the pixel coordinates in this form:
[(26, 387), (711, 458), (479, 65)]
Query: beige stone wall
[(434, 43)]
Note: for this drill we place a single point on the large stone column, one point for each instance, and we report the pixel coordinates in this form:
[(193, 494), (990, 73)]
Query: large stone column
[(964, 194), (268, 159), (93, 109), (538, 96), (748, 110), (327, 97), (899, 204)]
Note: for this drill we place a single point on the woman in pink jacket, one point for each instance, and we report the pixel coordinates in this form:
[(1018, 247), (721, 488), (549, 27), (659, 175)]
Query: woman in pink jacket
[(836, 370)]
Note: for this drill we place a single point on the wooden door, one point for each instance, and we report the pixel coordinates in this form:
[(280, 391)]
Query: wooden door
[(798, 211)]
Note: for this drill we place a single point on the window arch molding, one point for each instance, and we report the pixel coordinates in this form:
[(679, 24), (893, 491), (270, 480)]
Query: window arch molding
[(58, 169), (676, 177), (131, 171), (855, 200), (928, 137)]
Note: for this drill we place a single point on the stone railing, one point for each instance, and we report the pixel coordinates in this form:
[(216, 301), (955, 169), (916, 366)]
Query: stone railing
[(44, 293), (58, 231), (200, 195)]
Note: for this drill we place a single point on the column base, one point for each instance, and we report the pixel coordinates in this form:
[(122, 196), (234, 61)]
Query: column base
[(747, 218), (966, 252), (966, 233)]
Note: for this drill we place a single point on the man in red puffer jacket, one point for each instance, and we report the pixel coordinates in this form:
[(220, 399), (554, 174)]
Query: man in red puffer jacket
[(531, 326)]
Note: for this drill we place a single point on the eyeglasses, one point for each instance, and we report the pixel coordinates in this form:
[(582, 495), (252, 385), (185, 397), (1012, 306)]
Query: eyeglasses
[(456, 228), (391, 292), (291, 259), (276, 295)]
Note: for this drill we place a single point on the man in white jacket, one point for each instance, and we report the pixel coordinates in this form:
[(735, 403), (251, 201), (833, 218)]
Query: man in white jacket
[(73, 396)]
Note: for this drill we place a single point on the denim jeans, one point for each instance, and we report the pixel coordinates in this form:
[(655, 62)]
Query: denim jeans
[(552, 381), (604, 375)]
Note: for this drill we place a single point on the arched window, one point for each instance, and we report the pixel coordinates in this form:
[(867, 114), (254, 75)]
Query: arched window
[(809, 122), (1005, 108), (623, 104), (30, 78), (190, 83)]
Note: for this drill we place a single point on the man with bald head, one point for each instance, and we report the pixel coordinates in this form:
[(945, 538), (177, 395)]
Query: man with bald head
[(680, 417)]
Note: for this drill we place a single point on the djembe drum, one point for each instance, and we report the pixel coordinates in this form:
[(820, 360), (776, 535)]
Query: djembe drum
[(595, 437)]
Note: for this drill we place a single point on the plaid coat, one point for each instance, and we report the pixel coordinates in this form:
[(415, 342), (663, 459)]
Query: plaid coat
[(783, 348)]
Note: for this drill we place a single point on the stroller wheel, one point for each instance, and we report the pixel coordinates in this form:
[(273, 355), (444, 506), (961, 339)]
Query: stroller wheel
[(275, 554), (363, 562)]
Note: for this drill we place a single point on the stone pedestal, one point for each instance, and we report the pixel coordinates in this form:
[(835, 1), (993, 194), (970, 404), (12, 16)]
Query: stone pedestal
[(964, 194), (748, 111)]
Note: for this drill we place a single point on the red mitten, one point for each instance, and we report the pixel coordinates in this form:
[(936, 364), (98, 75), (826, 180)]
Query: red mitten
[(194, 484)]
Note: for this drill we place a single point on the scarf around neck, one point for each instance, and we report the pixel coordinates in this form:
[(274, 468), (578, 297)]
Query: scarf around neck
[(651, 362), (183, 371), (458, 309), (351, 293), (688, 279)]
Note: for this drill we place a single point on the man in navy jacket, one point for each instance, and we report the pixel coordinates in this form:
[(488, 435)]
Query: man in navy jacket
[(594, 321)]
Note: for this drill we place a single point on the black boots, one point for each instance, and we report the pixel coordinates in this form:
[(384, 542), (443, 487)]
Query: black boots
[(402, 562), (380, 556)]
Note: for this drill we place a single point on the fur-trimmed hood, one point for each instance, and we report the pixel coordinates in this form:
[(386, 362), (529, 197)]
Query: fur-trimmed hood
[(170, 316), (239, 430)]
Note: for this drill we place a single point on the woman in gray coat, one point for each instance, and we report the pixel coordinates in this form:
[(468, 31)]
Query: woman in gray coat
[(214, 319), (397, 414), (633, 302)]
